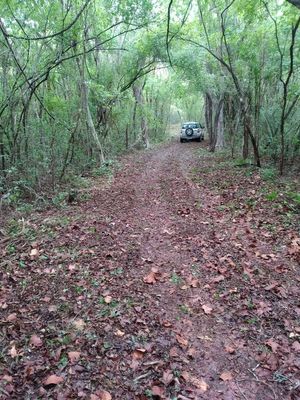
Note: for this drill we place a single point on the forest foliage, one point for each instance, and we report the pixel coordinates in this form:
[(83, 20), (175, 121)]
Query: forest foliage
[(82, 81)]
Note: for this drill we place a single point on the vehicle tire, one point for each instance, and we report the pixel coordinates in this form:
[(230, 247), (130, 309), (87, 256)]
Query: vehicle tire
[(181, 140), (189, 131), (198, 139)]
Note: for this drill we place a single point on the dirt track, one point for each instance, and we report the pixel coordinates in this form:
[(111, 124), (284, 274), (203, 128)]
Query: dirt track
[(163, 281)]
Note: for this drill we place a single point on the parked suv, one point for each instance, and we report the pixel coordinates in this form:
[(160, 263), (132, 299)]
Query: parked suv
[(191, 131)]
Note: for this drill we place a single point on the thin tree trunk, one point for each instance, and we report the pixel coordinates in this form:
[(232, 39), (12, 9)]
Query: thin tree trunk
[(86, 108), (219, 125), (208, 119)]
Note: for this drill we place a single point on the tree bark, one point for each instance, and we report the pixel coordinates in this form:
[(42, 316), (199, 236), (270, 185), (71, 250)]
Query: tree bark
[(219, 125), (208, 119), (144, 134)]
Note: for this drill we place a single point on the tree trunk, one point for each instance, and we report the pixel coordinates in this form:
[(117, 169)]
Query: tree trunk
[(208, 119), (144, 134), (86, 108), (219, 125), (246, 141)]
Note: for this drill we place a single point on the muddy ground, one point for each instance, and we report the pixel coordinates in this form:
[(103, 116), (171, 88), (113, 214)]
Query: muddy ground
[(176, 279)]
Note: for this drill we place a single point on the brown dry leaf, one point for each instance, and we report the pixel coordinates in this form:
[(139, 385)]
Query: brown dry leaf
[(198, 383), (104, 395), (71, 267), (181, 340), (191, 352), (134, 364), (272, 286), (296, 347), (13, 351), (167, 377), (151, 277), (34, 253), (184, 287), (226, 376), (119, 333), (53, 380), (207, 309), (7, 378), (173, 352), (79, 324), (138, 354), (219, 278), (74, 356), (295, 246), (271, 343), (107, 299), (36, 341), (194, 283), (12, 317), (157, 391), (229, 349)]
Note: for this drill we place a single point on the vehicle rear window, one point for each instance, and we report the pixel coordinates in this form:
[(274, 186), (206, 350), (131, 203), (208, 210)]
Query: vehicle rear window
[(193, 126)]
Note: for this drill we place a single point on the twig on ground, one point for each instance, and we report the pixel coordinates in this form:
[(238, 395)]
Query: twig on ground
[(240, 390), (142, 377)]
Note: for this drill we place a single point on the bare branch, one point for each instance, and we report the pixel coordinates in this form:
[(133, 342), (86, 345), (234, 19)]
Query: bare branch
[(53, 34)]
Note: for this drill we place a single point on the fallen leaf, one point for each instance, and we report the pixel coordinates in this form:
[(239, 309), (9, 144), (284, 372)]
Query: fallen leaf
[(36, 341), (104, 395), (71, 267), (79, 324), (218, 279), (167, 377), (151, 277), (74, 356), (13, 351), (34, 253), (157, 391), (138, 354), (296, 347), (134, 364), (229, 349), (53, 380), (173, 352), (191, 352), (271, 286), (7, 378), (198, 383), (226, 376), (12, 317), (271, 343), (107, 299), (119, 333), (181, 340), (207, 309)]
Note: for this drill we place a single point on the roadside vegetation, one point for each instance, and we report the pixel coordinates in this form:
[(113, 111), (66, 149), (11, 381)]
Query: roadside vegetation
[(82, 82)]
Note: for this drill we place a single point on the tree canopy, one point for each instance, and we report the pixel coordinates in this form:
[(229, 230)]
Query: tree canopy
[(82, 81)]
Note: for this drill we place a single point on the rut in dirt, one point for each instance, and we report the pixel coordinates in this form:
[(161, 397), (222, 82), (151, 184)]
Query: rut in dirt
[(163, 285)]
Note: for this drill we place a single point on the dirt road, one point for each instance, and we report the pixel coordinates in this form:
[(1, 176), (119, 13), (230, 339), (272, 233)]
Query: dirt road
[(164, 284)]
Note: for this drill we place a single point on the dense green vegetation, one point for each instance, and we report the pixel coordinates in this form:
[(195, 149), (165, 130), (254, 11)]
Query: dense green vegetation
[(82, 81)]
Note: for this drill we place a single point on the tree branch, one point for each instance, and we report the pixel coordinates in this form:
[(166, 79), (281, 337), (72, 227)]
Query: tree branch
[(53, 34)]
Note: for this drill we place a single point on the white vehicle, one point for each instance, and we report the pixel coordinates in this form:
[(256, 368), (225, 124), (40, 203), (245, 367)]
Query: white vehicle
[(191, 131)]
